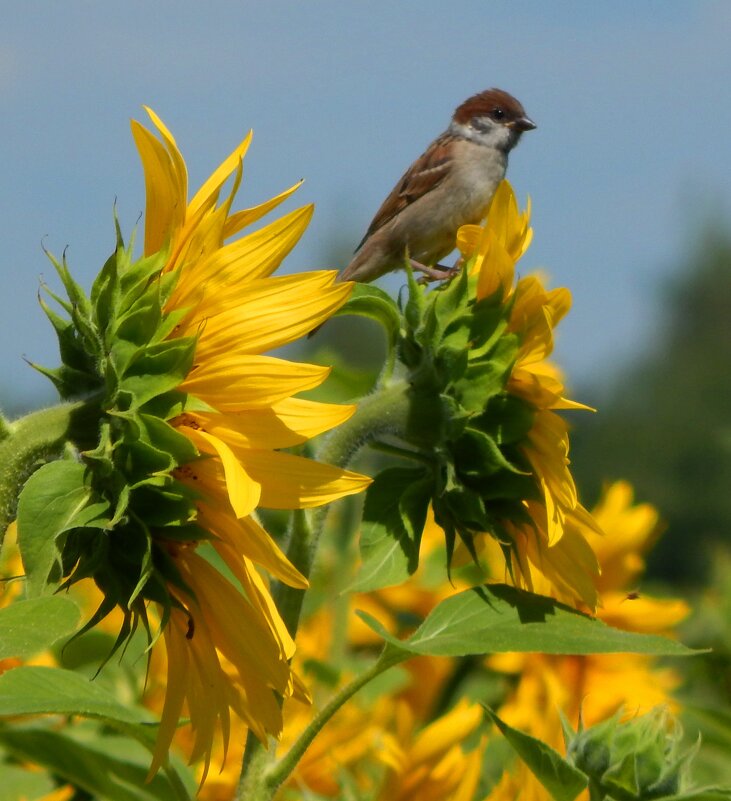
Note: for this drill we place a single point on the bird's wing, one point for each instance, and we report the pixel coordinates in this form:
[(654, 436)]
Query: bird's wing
[(427, 172)]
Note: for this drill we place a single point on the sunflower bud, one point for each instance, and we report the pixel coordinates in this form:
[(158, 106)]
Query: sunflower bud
[(635, 760)]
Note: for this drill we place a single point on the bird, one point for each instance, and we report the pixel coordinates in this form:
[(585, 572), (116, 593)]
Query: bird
[(451, 184)]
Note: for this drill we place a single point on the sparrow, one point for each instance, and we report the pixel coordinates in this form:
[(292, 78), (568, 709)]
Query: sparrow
[(451, 184)]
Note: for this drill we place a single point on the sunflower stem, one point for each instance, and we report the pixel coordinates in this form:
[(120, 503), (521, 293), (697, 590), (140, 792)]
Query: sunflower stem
[(300, 553), (31, 440), (253, 784), (402, 453), (278, 774), (385, 411)]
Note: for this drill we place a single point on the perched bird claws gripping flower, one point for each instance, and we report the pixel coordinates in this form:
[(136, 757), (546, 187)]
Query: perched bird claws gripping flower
[(193, 415)]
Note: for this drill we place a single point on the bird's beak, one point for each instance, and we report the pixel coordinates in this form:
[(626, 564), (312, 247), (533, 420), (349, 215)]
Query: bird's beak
[(523, 124)]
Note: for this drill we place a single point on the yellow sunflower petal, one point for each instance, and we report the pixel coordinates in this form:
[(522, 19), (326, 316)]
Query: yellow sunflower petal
[(261, 252), (448, 730), (165, 189), (220, 175), (469, 238), (249, 538), (250, 382), (496, 272), (268, 320), (241, 219), (281, 425), (228, 648), (223, 295), (257, 590), (243, 492), (643, 614), (293, 482), (177, 684)]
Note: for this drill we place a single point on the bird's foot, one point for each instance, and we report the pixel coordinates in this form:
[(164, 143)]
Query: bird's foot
[(436, 273)]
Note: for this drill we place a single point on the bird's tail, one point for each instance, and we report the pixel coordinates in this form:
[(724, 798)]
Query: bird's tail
[(357, 269), (347, 274)]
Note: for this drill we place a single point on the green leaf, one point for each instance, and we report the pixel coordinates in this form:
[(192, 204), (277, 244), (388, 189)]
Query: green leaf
[(447, 306), (105, 291), (24, 785), (451, 362), (714, 723), (104, 765), (478, 456), (135, 278), (416, 301), (139, 323), (69, 383), (141, 319), (456, 336), (29, 627), (174, 403), (393, 519), (162, 437), (466, 508), (488, 323), (507, 419), (370, 301), (34, 690), (72, 352), (54, 499), (413, 506), (75, 293), (702, 794), (497, 618), (157, 369), (562, 780), (482, 381)]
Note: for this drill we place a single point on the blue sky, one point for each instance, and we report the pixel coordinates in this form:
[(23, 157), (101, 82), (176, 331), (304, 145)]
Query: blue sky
[(632, 151)]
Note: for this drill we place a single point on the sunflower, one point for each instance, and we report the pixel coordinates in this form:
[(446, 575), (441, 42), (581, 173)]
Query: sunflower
[(174, 435)]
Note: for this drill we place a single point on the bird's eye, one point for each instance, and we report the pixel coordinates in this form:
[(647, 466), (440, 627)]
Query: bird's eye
[(497, 114)]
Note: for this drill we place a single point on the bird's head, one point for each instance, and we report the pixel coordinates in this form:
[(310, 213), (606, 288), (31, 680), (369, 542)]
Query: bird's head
[(492, 118)]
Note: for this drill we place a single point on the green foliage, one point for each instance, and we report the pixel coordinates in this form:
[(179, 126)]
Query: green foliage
[(497, 618), (562, 780), (33, 690), (706, 693), (29, 627), (101, 764), (102, 511), (56, 499), (393, 519), (21, 785), (460, 358), (108, 755), (373, 303)]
